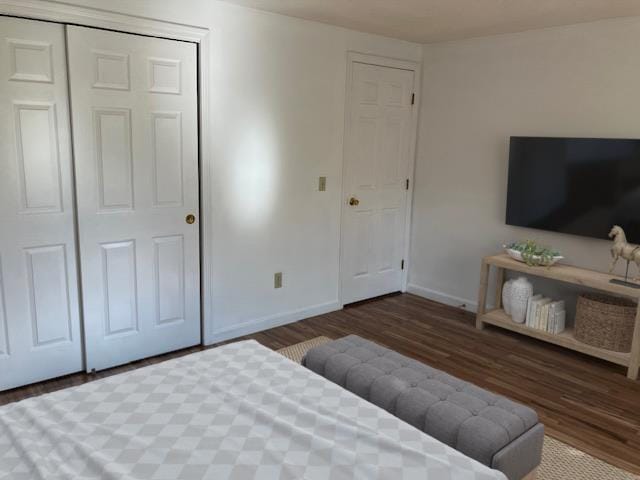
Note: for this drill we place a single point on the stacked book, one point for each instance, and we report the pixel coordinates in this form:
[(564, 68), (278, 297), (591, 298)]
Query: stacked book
[(545, 314)]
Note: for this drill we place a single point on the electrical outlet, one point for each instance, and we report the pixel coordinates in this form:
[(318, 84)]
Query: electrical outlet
[(322, 184), (277, 280)]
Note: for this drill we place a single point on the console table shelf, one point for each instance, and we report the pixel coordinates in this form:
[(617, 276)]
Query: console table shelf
[(563, 273)]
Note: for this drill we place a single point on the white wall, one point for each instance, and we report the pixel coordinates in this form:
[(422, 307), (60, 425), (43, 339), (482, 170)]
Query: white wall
[(278, 94), (581, 80)]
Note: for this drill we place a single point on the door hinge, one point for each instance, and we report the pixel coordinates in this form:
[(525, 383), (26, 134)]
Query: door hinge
[(406, 184), (402, 265), (413, 98)]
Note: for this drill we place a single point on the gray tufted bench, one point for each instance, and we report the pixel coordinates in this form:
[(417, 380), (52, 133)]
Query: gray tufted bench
[(491, 429)]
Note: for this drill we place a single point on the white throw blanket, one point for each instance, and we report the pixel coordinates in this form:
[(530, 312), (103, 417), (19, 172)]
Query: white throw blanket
[(240, 411)]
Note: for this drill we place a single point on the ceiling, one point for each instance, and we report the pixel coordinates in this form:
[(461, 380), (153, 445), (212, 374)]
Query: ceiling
[(427, 21)]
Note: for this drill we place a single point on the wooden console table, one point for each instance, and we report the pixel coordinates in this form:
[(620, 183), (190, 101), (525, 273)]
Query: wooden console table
[(562, 273)]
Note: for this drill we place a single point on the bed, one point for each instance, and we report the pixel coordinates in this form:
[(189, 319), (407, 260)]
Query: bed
[(240, 411)]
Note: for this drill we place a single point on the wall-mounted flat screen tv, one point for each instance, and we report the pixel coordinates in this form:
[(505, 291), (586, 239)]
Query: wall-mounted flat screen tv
[(580, 186)]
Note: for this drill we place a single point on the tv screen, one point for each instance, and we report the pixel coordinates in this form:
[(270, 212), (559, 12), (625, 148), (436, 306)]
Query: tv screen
[(581, 186)]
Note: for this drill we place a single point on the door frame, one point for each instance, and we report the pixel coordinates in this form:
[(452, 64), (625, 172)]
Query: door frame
[(108, 20), (354, 57)]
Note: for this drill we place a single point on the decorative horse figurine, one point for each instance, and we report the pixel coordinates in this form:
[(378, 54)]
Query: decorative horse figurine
[(629, 252)]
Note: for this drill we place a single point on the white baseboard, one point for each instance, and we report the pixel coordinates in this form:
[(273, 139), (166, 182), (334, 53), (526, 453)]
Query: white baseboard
[(436, 296), (271, 321)]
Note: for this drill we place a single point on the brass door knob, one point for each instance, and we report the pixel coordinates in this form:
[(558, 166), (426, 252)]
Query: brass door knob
[(353, 201), (190, 219)]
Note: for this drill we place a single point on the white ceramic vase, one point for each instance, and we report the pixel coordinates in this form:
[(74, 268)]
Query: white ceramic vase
[(521, 290), (506, 296)]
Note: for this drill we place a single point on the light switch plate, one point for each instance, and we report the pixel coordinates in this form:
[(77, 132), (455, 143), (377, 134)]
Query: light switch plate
[(277, 280), (322, 184)]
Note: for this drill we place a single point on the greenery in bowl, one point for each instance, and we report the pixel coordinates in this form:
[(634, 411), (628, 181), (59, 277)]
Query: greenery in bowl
[(533, 254)]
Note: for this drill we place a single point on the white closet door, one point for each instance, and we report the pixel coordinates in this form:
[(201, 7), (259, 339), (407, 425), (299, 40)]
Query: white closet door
[(134, 111), (40, 334)]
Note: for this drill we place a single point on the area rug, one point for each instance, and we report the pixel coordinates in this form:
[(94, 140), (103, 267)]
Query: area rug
[(559, 460)]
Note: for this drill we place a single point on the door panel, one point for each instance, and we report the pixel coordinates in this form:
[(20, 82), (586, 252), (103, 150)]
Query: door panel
[(363, 169), (167, 159), (49, 295), (386, 233), (376, 169), (113, 152), (39, 314), (119, 288), (135, 137), (169, 278), (38, 161)]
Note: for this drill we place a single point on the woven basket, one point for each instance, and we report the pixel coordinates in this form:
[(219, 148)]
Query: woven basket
[(605, 322)]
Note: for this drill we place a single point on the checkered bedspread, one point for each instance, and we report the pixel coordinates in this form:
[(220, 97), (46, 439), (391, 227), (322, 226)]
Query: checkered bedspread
[(240, 411)]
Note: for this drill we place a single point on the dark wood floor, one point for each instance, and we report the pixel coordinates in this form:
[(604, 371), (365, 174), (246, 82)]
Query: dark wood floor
[(582, 401)]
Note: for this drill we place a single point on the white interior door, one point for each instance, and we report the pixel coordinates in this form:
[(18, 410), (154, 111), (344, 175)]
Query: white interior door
[(377, 153), (134, 112), (40, 334)]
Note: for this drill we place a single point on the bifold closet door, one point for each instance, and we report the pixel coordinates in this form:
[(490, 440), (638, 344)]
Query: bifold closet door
[(40, 333), (134, 111)]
